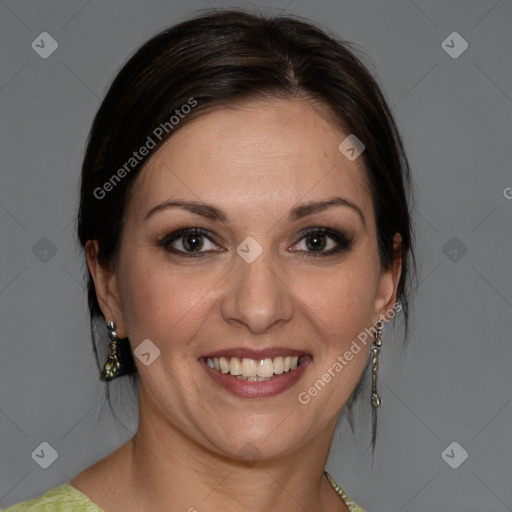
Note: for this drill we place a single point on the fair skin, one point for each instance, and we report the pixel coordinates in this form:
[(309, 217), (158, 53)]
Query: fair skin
[(255, 163)]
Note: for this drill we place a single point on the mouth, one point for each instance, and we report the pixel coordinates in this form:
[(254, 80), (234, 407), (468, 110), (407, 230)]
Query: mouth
[(256, 377)]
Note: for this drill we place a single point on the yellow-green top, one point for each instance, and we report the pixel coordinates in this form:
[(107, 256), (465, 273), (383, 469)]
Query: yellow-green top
[(66, 498)]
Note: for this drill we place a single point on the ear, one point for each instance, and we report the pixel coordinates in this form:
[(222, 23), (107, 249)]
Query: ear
[(105, 284), (385, 298)]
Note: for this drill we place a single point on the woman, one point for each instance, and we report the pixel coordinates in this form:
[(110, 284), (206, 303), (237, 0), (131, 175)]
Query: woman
[(245, 217)]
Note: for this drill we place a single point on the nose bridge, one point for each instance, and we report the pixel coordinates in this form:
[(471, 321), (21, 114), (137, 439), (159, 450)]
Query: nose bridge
[(256, 295)]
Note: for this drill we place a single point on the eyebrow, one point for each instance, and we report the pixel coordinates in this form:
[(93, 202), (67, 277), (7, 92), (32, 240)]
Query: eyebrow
[(296, 213)]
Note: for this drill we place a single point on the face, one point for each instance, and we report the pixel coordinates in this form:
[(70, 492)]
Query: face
[(267, 275)]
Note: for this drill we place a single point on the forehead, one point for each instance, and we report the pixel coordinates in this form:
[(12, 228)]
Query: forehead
[(254, 156)]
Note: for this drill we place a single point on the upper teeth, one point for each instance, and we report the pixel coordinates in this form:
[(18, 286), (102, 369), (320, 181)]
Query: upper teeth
[(253, 368)]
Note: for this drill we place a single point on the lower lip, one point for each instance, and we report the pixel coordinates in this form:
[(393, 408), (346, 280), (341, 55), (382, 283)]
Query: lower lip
[(262, 389)]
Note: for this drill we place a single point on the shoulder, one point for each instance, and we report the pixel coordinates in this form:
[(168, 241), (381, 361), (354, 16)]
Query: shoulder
[(352, 506), (64, 498)]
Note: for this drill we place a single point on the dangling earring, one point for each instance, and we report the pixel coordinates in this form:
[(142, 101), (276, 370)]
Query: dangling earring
[(376, 346), (112, 368)]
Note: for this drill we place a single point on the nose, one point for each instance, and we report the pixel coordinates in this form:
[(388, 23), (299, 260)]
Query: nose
[(257, 295)]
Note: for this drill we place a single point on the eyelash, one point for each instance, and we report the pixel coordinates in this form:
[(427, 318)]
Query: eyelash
[(344, 242)]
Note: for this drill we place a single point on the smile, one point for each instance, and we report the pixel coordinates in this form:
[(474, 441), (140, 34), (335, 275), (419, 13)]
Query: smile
[(253, 370), (255, 377)]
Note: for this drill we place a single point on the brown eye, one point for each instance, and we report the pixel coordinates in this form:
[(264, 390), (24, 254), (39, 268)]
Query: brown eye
[(324, 241), (192, 242), (317, 242), (188, 242)]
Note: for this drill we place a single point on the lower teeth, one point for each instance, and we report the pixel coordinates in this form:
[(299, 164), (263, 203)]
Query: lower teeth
[(253, 379)]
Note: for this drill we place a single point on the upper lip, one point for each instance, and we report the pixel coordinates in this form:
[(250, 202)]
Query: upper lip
[(255, 353)]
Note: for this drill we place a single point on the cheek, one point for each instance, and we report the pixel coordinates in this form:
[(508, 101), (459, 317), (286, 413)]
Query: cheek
[(159, 302), (342, 300)]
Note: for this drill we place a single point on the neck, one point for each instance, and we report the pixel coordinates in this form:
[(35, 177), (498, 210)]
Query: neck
[(168, 466)]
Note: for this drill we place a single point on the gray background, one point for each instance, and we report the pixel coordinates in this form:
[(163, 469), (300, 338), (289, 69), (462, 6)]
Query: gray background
[(455, 116)]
